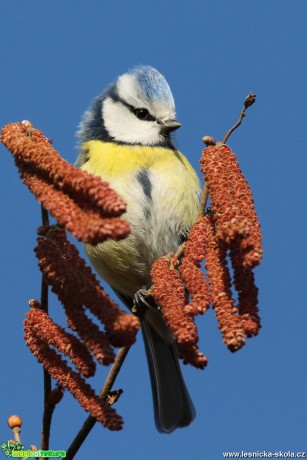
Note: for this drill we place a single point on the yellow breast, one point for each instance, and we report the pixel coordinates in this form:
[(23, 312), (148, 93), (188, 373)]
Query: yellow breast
[(108, 159), (162, 193)]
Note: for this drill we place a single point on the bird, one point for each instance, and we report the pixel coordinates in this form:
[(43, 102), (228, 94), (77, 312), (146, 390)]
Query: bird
[(126, 138)]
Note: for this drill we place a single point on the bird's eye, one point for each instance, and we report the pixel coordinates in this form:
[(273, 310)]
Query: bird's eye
[(142, 114)]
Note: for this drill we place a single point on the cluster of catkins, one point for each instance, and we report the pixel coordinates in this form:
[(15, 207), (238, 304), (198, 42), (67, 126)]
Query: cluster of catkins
[(228, 233), (88, 208)]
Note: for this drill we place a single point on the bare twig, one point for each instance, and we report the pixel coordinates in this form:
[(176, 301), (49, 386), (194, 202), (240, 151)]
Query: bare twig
[(249, 100), (47, 416), (179, 251), (203, 202), (90, 421), (48, 410)]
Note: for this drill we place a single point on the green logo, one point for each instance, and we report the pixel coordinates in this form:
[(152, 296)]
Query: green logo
[(10, 447), (14, 449)]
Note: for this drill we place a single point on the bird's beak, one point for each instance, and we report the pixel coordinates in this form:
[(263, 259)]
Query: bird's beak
[(169, 125)]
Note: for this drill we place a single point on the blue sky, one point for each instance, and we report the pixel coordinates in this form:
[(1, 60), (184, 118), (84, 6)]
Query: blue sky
[(55, 57)]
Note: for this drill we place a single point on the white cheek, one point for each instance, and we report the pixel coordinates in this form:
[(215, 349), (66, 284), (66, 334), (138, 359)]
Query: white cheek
[(124, 126)]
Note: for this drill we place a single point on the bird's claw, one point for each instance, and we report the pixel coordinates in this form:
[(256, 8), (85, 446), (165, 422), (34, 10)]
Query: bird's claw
[(142, 303), (184, 234)]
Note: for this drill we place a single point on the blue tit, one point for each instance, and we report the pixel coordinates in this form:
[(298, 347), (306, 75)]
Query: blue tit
[(126, 139)]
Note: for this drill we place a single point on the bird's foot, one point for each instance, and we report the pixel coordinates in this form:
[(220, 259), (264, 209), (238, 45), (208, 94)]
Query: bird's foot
[(184, 234), (142, 303)]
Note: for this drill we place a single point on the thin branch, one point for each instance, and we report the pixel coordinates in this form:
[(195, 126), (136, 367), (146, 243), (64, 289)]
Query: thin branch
[(235, 126), (45, 216), (203, 202), (180, 251), (44, 285), (90, 421), (48, 409), (249, 100), (47, 416)]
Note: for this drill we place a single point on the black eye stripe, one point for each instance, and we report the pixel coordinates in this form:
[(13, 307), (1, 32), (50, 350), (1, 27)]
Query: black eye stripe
[(133, 109)]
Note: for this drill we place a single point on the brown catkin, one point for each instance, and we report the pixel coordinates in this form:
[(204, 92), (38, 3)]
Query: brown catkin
[(191, 273), (82, 203), (75, 284), (232, 203), (169, 293), (68, 378)]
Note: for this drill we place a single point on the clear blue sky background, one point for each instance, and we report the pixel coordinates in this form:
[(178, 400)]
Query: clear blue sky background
[(55, 57)]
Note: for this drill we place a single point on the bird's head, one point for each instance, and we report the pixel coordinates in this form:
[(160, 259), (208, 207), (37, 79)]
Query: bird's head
[(138, 108)]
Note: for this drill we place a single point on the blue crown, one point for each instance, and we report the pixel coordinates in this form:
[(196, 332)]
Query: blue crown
[(154, 86)]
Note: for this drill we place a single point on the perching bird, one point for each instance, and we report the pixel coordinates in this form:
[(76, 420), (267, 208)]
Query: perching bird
[(126, 139)]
